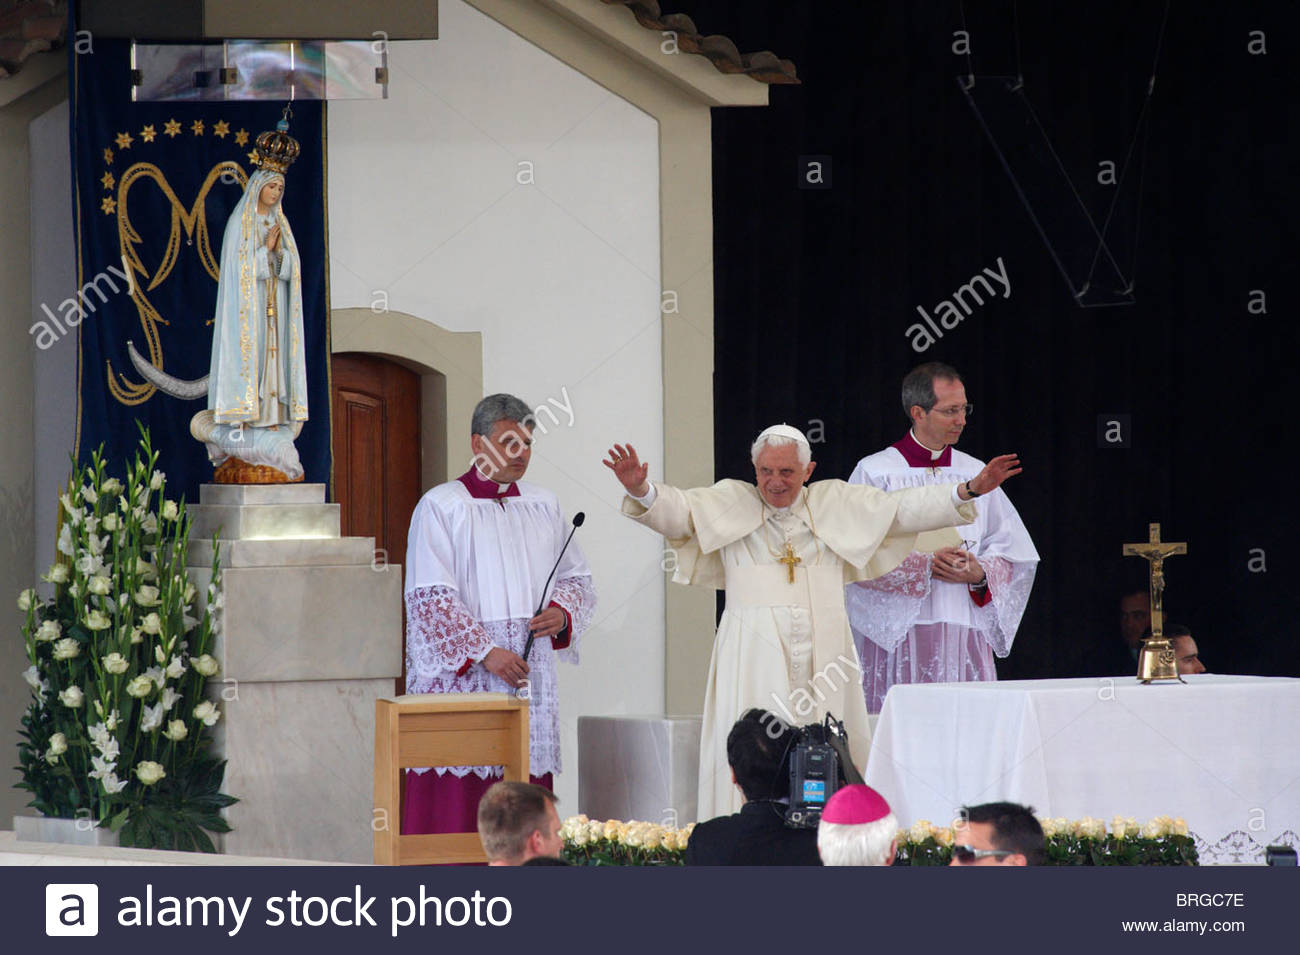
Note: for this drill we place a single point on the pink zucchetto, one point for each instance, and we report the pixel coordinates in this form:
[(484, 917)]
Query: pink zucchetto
[(855, 805)]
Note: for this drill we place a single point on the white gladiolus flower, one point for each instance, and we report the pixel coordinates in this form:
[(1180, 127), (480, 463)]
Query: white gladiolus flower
[(65, 547), (99, 735), (115, 663), (27, 599), (92, 524), (156, 481), (96, 544), (151, 624), (140, 687), (169, 698), (150, 524), (159, 654), (110, 522), (175, 669), (176, 731), (99, 584), (206, 665), (72, 509), (207, 712), (72, 697), (151, 718), (190, 591), (89, 564), (137, 636), (58, 573), (112, 784), (33, 677), (146, 569), (49, 631), (170, 511), (112, 720), (66, 649), (88, 494), (111, 486), (102, 767), (149, 772)]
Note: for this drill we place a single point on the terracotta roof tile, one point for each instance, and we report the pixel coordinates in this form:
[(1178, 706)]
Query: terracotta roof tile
[(763, 66)]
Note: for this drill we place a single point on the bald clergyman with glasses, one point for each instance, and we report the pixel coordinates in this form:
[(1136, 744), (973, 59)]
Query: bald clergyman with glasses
[(940, 617)]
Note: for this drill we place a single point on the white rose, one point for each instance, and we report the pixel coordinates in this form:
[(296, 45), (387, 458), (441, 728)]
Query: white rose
[(58, 745), (136, 636), (145, 569), (49, 631), (110, 522), (156, 481), (111, 486), (66, 649), (207, 713), (206, 665), (98, 620), (99, 584), (151, 624), (147, 596), (27, 599), (170, 511), (149, 772), (140, 687), (88, 494), (115, 663), (72, 697), (58, 573), (176, 731)]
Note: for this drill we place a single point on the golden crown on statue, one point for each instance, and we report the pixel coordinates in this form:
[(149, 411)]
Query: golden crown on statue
[(276, 150)]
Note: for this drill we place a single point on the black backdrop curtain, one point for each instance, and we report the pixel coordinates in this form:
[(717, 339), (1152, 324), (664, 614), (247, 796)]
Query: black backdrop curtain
[(815, 289)]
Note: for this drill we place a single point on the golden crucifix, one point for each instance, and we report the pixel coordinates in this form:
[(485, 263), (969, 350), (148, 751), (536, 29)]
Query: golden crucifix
[(790, 559), (1156, 660)]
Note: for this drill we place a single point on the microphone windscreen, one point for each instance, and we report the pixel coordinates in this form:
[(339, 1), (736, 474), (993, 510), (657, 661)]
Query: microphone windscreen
[(578, 519)]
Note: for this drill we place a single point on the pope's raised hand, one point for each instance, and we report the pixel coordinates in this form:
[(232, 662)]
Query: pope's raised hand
[(995, 472), (629, 470)]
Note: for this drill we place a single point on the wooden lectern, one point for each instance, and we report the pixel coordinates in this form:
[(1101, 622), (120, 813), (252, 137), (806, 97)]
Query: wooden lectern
[(441, 729)]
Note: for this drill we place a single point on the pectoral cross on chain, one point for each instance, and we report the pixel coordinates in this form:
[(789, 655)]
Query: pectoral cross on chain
[(790, 559)]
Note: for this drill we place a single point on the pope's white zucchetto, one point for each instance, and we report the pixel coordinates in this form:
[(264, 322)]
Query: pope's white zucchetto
[(782, 431)]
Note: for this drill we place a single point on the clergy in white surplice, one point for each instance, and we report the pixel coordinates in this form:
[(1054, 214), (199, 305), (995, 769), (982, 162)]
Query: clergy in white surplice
[(783, 553), (944, 613), (479, 554)]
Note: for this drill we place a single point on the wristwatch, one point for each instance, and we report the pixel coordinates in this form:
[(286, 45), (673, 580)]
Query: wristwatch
[(971, 491)]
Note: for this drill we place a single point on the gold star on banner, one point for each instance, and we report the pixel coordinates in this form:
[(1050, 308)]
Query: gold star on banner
[(108, 180), (221, 129), (124, 140), (109, 205), (171, 128), (197, 126), (108, 156), (148, 134), (252, 157), (241, 137)]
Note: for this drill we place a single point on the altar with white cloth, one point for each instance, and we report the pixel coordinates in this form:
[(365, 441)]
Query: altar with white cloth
[(1219, 751)]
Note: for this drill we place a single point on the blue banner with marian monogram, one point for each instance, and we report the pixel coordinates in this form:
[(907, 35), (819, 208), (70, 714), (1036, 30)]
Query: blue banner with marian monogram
[(153, 187)]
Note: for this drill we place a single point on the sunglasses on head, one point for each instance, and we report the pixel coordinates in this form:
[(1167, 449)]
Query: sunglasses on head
[(968, 854)]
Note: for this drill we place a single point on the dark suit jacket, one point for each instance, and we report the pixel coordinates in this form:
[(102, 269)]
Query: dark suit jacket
[(757, 835)]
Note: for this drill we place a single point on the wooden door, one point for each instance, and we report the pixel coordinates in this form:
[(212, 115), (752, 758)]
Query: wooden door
[(376, 408)]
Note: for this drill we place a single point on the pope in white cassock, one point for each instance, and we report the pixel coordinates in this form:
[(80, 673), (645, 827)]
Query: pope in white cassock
[(940, 617), (784, 552), (479, 553)]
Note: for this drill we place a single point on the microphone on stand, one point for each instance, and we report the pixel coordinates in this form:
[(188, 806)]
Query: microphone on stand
[(577, 522)]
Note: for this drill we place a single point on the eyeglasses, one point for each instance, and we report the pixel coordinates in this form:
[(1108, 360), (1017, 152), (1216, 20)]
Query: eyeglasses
[(967, 410), (968, 854)]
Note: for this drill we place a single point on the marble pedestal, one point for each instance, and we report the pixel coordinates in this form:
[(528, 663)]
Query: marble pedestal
[(639, 767), (311, 636)]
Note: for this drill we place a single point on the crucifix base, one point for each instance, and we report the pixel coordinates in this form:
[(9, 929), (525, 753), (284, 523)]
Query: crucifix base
[(1157, 661)]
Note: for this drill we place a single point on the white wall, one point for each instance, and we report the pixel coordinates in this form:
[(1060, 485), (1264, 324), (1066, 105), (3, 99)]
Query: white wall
[(428, 214)]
